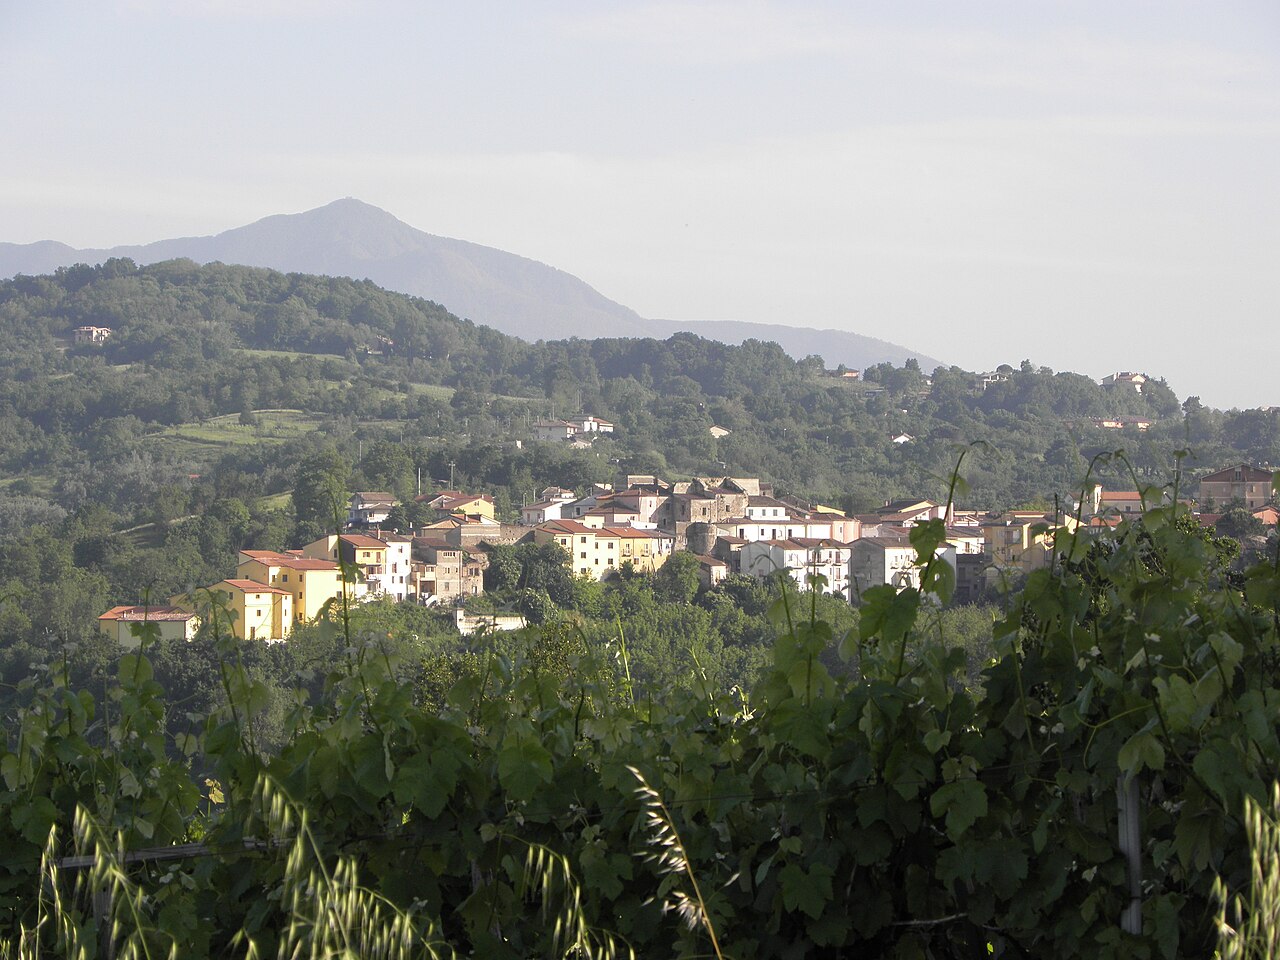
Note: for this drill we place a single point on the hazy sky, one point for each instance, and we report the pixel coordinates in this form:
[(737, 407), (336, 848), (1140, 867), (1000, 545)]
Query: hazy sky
[(1092, 186)]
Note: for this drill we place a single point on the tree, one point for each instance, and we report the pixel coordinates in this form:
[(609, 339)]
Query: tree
[(676, 581), (503, 571), (1239, 523), (320, 491)]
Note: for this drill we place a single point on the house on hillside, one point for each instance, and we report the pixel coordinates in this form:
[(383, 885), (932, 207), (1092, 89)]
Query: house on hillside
[(451, 502), (711, 571), (549, 430), (879, 561), (535, 513), (594, 553), (368, 508), (310, 582), (173, 623), (589, 424), (645, 550), (383, 563), (801, 558), (1119, 501), (1125, 379), (1243, 482), (90, 334), (1121, 422), (445, 572), (1021, 539), (248, 609)]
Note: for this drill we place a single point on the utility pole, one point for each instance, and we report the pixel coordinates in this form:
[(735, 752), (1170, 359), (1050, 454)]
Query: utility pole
[(451, 466)]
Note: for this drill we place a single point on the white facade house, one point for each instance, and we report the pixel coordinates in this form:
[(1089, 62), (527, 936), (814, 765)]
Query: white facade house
[(801, 558), (877, 561), (398, 580), (786, 527), (765, 508), (548, 430), (589, 424), (369, 508), (542, 511)]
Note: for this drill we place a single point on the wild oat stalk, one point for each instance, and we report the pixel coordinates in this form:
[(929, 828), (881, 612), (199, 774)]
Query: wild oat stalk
[(1253, 931), (330, 914), (547, 873), (123, 928), (669, 855)]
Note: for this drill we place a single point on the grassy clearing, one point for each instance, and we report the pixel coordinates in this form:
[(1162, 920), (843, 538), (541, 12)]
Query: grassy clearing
[(432, 390), (289, 354), (199, 445), (274, 426), (149, 536), (277, 501)]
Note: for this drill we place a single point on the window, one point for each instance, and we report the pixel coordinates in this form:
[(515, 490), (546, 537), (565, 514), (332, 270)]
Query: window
[(284, 578), (582, 555)]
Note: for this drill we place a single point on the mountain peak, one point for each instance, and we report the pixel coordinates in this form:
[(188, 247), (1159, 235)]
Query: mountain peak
[(348, 208), (351, 238)]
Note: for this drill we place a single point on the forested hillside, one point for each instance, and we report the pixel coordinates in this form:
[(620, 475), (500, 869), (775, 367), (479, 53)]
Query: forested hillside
[(143, 464), (191, 343)]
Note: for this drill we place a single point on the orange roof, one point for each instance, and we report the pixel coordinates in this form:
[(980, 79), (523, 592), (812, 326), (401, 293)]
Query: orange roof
[(564, 526), (153, 614), (272, 559), (306, 563), (253, 586), (264, 555), (363, 542)]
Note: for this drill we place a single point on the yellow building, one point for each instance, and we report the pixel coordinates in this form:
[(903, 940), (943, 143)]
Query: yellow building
[(367, 553), (592, 553), (250, 610), (646, 549), (458, 502), (311, 582), (1021, 539), (173, 623)]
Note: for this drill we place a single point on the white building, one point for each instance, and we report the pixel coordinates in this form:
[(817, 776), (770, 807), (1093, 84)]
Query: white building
[(800, 558)]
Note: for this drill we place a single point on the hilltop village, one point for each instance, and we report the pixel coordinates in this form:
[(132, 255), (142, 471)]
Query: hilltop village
[(728, 525)]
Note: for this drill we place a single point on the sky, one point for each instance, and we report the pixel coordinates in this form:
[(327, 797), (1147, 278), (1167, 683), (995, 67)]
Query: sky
[(1091, 186)]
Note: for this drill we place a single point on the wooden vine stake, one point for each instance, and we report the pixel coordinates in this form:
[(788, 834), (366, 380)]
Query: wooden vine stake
[(1130, 823)]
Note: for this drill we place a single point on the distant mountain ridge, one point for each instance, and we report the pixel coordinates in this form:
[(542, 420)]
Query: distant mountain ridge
[(510, 293)]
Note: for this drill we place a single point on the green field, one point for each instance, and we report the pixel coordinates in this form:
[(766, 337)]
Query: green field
[(274, 426), (201, 444), (291, 354)]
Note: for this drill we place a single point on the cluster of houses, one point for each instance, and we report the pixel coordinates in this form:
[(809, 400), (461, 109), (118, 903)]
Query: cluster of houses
[(272, 591), (732, 525), (578, 431)]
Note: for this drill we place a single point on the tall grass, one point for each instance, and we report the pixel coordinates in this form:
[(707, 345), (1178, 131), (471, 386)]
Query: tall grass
[(1249, 921)]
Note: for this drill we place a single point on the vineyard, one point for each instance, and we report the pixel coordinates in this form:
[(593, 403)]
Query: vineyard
[(543, 804)]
